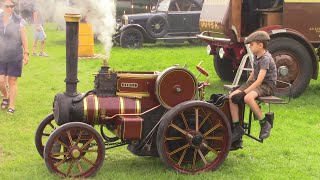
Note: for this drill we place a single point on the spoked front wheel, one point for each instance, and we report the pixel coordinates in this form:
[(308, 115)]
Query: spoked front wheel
[(80, 148), (194, 137)]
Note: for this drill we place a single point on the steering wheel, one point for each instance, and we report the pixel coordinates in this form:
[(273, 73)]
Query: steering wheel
[(202, 70)]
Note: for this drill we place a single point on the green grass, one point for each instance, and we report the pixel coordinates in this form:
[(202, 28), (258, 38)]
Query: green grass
[(292, 151)]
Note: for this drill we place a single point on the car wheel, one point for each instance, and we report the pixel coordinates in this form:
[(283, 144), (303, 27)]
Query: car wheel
[(294, 65), (131, 38), (157, 26)]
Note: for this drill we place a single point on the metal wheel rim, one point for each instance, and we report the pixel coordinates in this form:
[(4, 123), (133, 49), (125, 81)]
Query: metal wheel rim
[(210, 140), (132, 40), (79, 143), (43, 132), (290, 61), (157, 26)]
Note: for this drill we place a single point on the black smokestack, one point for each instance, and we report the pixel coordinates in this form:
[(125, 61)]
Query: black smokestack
[(72, 39)]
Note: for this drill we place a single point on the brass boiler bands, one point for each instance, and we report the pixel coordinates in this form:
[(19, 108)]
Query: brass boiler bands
[(97, 109)]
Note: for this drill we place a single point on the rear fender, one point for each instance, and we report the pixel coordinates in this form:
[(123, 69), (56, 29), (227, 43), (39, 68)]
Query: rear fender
[(140, 28)]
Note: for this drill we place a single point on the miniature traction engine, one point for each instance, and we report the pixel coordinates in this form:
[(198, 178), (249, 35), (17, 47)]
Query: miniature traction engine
[(160, 114)]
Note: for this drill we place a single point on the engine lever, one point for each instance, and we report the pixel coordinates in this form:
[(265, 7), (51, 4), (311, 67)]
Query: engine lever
[(81, 97), (201, 70)]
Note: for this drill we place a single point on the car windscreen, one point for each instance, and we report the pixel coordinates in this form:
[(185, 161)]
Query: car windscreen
[(163, 5)]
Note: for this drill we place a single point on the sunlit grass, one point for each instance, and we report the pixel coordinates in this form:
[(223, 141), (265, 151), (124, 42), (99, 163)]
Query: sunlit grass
[(292, 151)]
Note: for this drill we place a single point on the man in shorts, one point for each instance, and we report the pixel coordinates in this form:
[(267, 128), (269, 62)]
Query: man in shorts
[(261, 82)]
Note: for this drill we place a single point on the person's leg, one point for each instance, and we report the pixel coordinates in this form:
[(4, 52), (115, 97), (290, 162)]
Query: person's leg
[(14, 71), (42, 53), (42, 37), (3, 87), (34, 48), (12, 91), (265, 125), (249, 99), (234, 108), (3, 80), (237, 129), (42, 46)]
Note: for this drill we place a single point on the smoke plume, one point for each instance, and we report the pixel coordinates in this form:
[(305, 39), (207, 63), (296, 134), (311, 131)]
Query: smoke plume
[(99, 13)]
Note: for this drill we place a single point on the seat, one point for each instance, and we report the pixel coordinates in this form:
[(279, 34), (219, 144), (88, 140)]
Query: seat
[(270, 100)]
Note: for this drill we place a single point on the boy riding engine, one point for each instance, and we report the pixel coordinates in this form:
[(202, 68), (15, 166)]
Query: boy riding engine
[(261, 82)]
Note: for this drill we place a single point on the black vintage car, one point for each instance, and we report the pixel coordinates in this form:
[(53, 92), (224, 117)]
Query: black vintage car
[(171, 20)]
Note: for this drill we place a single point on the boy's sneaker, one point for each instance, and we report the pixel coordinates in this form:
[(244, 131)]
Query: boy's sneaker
[(43, 54), (34, 54), (265, 130), (237, 132)]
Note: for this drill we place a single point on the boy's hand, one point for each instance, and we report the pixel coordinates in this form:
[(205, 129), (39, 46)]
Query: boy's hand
[(238, 98)]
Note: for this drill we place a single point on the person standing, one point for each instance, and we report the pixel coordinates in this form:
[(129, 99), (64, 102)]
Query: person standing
[(39, 34), (13, 53)]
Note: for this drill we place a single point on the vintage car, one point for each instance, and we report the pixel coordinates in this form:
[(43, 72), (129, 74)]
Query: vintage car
[(291, 24), (171, 20)]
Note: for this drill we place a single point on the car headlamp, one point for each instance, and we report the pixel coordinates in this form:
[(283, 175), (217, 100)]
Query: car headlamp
[(221, 53), (125, 19), (208, 49)]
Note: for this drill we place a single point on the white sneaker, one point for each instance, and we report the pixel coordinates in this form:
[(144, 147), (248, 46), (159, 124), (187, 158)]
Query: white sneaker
[(43, 54)]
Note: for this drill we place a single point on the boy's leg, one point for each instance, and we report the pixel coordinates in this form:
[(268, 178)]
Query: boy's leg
[(34, 48), (250, 100), (42, 45), (234, 108), (237, 130), (265, 125)]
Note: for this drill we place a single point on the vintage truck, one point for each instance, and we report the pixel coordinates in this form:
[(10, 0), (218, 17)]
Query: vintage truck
[(292, 25)]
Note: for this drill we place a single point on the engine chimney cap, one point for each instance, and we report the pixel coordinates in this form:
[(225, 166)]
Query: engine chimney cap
[(72, 17)]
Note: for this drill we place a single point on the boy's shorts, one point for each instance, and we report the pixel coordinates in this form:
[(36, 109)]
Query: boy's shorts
[(262, 90), (13, 69), (40, 35)]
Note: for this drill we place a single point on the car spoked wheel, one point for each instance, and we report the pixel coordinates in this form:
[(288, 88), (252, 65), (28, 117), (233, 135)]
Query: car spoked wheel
[(131, 38), (157, 26), (44, 130), (194, 137), (80, 148)]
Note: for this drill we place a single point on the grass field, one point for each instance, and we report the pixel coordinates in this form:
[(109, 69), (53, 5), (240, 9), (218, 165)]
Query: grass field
[(292, 151)]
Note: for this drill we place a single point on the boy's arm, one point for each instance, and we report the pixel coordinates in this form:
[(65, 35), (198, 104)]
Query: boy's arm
[(251, 76), (258, 82)]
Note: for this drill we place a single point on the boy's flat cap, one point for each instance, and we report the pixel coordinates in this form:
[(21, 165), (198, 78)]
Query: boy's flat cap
[(257, 36)]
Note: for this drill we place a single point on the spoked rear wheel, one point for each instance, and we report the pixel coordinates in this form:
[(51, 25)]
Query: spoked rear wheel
[(194, 137), (80, 148)]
